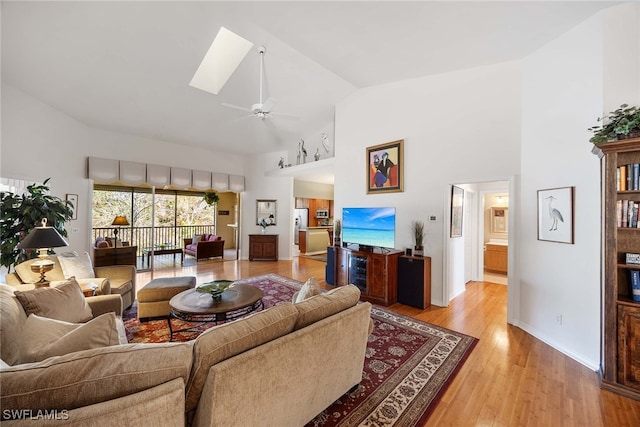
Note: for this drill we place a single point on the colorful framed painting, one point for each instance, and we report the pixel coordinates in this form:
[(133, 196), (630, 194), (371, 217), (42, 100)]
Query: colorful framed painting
[(385, 168), (457, 204), (555, 214)]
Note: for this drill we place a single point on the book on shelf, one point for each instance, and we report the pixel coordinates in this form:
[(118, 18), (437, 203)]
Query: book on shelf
[(635, 284), (636, 177), (623, 177), (619, 213)]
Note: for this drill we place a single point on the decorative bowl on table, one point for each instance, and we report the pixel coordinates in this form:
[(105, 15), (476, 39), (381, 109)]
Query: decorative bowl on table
[(215, 288)]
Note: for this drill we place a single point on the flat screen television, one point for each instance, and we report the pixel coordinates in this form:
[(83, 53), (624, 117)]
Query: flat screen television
[(369, 226)]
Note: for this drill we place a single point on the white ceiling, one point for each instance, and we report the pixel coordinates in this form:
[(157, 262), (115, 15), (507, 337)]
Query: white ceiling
[(126, 66)]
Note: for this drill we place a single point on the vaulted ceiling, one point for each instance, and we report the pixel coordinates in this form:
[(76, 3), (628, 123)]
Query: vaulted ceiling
[(126, 66)]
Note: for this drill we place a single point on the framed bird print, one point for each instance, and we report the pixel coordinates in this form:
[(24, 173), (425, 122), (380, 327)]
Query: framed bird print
[(555, 214)]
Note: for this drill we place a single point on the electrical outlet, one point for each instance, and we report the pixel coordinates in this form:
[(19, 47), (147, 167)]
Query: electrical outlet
[(559, 319), (432, 218)]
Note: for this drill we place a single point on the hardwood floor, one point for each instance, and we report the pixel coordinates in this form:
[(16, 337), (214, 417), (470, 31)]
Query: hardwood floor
[(510, 378)]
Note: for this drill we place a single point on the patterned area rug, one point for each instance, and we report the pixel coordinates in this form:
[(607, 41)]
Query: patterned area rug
[(408, 364)]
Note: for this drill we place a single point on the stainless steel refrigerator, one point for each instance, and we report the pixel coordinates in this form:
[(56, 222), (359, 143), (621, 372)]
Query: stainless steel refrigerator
[(300, 221)]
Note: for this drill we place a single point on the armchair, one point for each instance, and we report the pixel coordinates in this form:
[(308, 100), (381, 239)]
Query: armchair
[(116, 279), (205, 246)]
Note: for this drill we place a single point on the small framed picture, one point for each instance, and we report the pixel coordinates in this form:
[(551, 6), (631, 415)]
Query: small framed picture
[(73, 199), (457, 205), (555, 214)]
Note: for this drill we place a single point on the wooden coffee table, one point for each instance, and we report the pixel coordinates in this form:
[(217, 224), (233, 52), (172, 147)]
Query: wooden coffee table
[(192, 306), (163, 251)]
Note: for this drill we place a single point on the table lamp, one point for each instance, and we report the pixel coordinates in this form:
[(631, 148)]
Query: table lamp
[(119, 220), (42, 238)]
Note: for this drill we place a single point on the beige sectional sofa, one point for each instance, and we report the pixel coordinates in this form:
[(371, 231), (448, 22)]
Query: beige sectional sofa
[(280, 367)]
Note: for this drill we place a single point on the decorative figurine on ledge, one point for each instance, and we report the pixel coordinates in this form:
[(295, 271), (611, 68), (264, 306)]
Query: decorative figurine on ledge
[(325, 142), (317, 155), (304, 152), (281, 162)]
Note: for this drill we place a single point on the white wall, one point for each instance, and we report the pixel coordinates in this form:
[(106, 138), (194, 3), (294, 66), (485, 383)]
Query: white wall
[(564, 91), (39, 142), (259, 186), (457, 127)]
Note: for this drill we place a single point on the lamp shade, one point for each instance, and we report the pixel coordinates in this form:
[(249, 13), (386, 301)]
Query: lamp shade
[(120, 220), (42, 237)]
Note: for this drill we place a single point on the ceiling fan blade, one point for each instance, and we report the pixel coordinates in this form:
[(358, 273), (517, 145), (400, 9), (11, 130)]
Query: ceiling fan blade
[(268, 105), (277, 115), (237, 107)]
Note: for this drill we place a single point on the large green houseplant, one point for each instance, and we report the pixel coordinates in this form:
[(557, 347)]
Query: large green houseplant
[(619, 124), (21, 213)]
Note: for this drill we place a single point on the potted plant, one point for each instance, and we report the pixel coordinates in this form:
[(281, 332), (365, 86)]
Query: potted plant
[(337, 231), (418, 236), (22, 213), (211, 197), (622, 123)]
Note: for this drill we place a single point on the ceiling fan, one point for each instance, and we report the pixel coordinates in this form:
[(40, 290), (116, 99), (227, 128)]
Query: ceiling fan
[(261, 110)]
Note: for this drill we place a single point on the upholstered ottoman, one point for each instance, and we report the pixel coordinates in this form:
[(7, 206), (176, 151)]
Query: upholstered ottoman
[(153, 298)]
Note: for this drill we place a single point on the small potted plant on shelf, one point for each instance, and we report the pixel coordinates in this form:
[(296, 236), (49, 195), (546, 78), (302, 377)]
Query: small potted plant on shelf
[(337, 231), (622, 123), (418, 235), (211, 197)]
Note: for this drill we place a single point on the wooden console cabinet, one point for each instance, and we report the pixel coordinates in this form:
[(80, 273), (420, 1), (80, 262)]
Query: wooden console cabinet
[(122, 255), (375, 273), (621, 315), (263, 247)]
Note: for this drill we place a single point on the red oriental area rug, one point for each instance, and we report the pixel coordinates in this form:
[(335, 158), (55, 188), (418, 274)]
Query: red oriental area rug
[(408, 363)]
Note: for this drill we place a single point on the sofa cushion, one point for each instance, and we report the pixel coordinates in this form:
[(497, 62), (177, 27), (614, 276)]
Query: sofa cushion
[(93, 376), (74, 265), (43, 337), (227, 340), (191, 247), (196, 238), (64, 302), (101, 243), (214, 238), (310, 288), (12, 318), (23, 270), (324, 305)]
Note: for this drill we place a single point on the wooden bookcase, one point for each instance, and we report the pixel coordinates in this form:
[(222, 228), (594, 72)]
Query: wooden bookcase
[(621, 314), (374, 272)]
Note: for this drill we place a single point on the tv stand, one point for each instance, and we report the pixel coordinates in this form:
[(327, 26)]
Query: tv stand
[(374, 272)]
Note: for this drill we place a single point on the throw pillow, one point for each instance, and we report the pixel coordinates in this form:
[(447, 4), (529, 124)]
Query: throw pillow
[(64, 302), (310, 288), (77, 266), (196, 238), (44, 338)]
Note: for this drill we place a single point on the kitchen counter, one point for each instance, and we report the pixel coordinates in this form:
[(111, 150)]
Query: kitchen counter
[(314, 239)]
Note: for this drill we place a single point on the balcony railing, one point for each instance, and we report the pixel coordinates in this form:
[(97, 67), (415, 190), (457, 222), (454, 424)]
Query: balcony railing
[(145, 237)]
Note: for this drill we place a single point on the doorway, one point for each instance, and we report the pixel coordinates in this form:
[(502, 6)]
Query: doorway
[(464, 256)]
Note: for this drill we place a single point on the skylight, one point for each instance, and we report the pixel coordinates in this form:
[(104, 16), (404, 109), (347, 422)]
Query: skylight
[(225, 54)]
